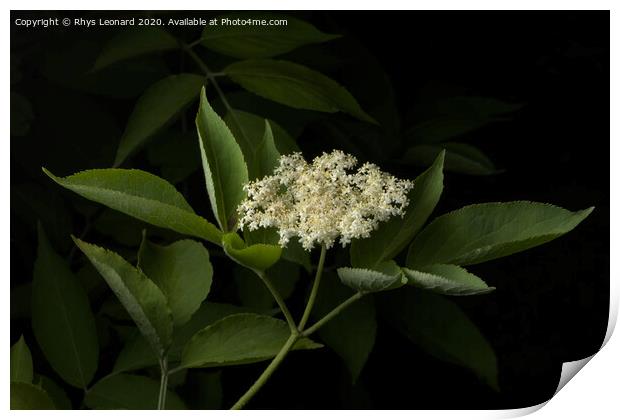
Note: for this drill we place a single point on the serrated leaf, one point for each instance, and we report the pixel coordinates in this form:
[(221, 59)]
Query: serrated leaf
[(296, 86), (143, 300), (224, 167), (62, 320), (26, 396), (260, 41), (352, 333), (393, 236), (447, 279), (157, 106), (460, 157), (386, 276), (440, 328), (141, 195), (138, 354), (267, 155), (129, 392), (134, 42), (256, 257), (182, 271), (482, 232), (239, 339), (21, 362)]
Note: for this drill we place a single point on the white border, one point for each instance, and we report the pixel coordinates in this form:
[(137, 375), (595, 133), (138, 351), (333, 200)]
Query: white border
[(593, 394)]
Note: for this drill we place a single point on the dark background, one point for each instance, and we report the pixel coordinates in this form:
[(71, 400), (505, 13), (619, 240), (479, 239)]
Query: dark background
[(551, 303)]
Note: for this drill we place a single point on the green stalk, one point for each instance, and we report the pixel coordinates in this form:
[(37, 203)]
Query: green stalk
[(266, 373), (276, 295), (314, 291), (333, 313), (163, 385)]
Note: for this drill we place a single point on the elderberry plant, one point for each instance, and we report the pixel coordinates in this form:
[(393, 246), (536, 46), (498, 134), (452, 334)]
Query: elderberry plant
[(270, 208)]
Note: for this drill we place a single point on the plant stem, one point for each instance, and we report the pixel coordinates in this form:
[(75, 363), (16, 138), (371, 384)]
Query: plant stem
[(276, 295), (163, 385), (314, 291), (266, 373), (334, 312), (211, 76)]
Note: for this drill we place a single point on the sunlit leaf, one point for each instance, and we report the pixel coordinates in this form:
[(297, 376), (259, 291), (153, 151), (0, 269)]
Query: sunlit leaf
[(446, 279), (386, 275), (482, 232), (224, 167), (239, 339), (141, 195), (257, 257), (143, 300), (182, 271)]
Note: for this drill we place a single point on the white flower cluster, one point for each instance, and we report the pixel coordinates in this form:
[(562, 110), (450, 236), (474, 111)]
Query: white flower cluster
[(322, 201)]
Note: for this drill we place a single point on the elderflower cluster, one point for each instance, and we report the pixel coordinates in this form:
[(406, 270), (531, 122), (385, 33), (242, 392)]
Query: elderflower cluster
[(323, 201)]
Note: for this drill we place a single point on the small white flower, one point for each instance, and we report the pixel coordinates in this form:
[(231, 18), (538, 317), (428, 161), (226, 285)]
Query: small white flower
[(323, 201)]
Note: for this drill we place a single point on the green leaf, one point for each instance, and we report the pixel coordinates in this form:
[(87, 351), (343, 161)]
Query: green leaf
[(394, 235), (248, 130), (256, 257), (296, 86), (131, 43), (222, 160), (176, 154), (386, 276), (129, 392), (29, 397), (253, 293), (55, 392), (21, 362), (62, 320), (460, 157), (239, 339), (137, 353), (442, 329), (143, 300), (256, 139), (141, 195), (182, 271), (483, 232), (157, 106), (260, 41), (352, 333), (267, 155), (447, 279), (293, 251)]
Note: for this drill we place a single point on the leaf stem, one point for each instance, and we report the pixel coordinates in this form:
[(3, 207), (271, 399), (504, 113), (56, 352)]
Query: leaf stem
[(212, 78), (314, 291), (163, 385), (276, 295), (262, 379), (334, 312)]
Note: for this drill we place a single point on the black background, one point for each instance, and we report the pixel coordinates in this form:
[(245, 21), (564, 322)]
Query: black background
[(551, 303)]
